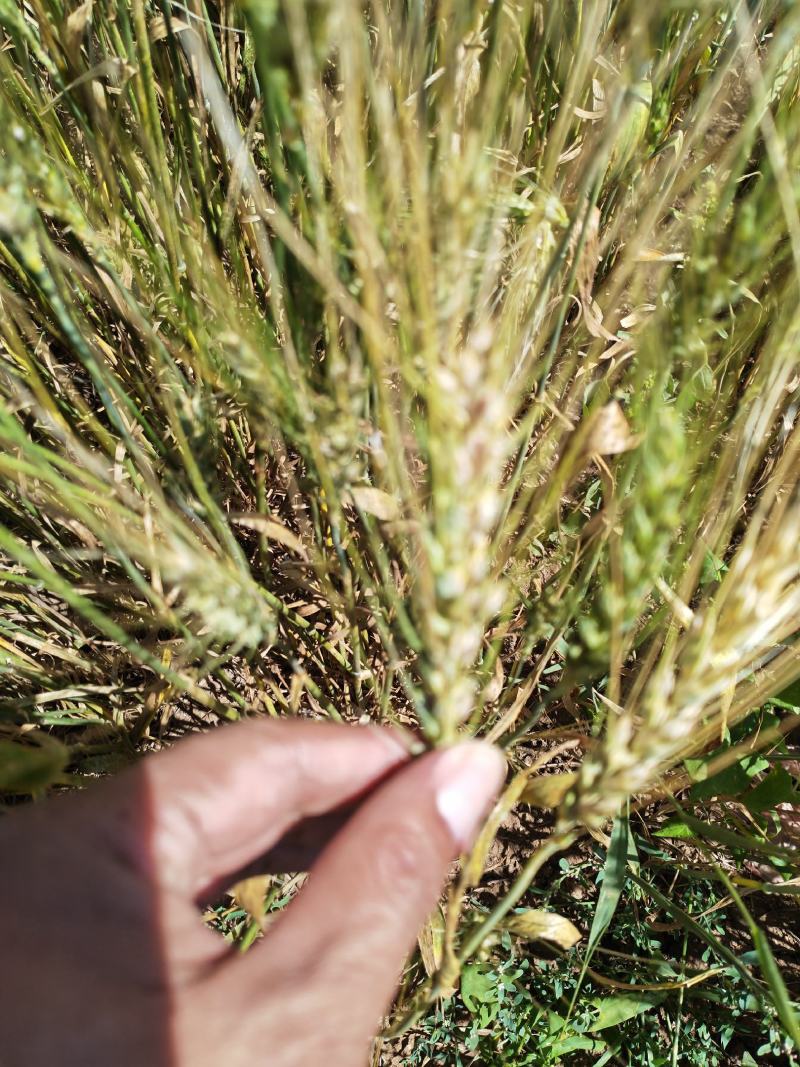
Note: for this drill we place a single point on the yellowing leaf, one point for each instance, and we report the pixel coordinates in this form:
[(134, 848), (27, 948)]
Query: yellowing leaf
[(548, 790), (610, 434), (431, 942), (749, 294), (546, 926), (638, 315), (76, 26), (250, 895), (275, 531), (495, 685), (653, 255), (375, 502), (158, 28)]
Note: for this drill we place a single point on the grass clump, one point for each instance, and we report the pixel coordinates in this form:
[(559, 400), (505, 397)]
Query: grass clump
[(430, 362)]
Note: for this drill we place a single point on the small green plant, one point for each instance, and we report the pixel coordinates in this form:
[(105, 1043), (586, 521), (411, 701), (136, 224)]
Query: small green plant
[(655, 982), (434, 362)]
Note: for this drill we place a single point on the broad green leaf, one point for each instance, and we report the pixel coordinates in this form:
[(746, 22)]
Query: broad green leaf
[(616, 1009), (713, 568), (776, 788), (28, 768), (577, 1043), (478, 986), (697, 769), (555, 1022), (791, 695), (753, 724), (730, 782), (675, 828)]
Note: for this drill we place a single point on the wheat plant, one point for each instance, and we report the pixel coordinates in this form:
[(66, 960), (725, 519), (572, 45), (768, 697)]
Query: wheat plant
[(429, 361)]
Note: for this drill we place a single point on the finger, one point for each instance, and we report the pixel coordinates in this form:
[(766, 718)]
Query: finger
[(371, 890), (298, 849), (219, 800)]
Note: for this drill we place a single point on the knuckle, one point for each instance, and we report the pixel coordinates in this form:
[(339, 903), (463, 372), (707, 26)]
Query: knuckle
[(400, 860)]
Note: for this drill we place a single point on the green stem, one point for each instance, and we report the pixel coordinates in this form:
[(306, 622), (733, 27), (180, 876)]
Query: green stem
[(557, 843)]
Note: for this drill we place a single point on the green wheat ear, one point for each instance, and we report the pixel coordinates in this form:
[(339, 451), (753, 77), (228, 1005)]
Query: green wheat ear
[(653, 483)]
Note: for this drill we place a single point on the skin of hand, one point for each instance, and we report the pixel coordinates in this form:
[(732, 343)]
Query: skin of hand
[(104, 958)]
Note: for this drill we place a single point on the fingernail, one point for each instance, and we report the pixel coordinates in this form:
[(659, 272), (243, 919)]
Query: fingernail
[(399, 741), (391, 740), (468, 777)]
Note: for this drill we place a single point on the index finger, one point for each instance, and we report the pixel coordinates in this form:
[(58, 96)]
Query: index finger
[(222, 799), (336, 953)]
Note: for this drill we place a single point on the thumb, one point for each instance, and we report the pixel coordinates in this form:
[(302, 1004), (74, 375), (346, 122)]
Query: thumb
[(349, 931)]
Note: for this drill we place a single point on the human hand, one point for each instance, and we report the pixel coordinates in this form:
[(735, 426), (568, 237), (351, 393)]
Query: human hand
[(105, 959)]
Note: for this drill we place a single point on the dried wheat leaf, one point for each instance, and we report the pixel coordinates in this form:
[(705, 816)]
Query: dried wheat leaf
[(431, 942), (536, 925), (375, 502), (548, 790), (250, 893), (273, 530), (610, 434)]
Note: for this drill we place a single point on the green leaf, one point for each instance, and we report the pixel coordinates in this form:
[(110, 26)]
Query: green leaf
[(731, 781), (791, 695), (555, 1022), (776, 788), (616, 1009), (753, 724), (29, 769), (577, 1043), (779, 994), (675, 828), (777, 987), (613, 881), (713, 568), (478, 986), (695, 928), (697, 769), (745, 842)]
